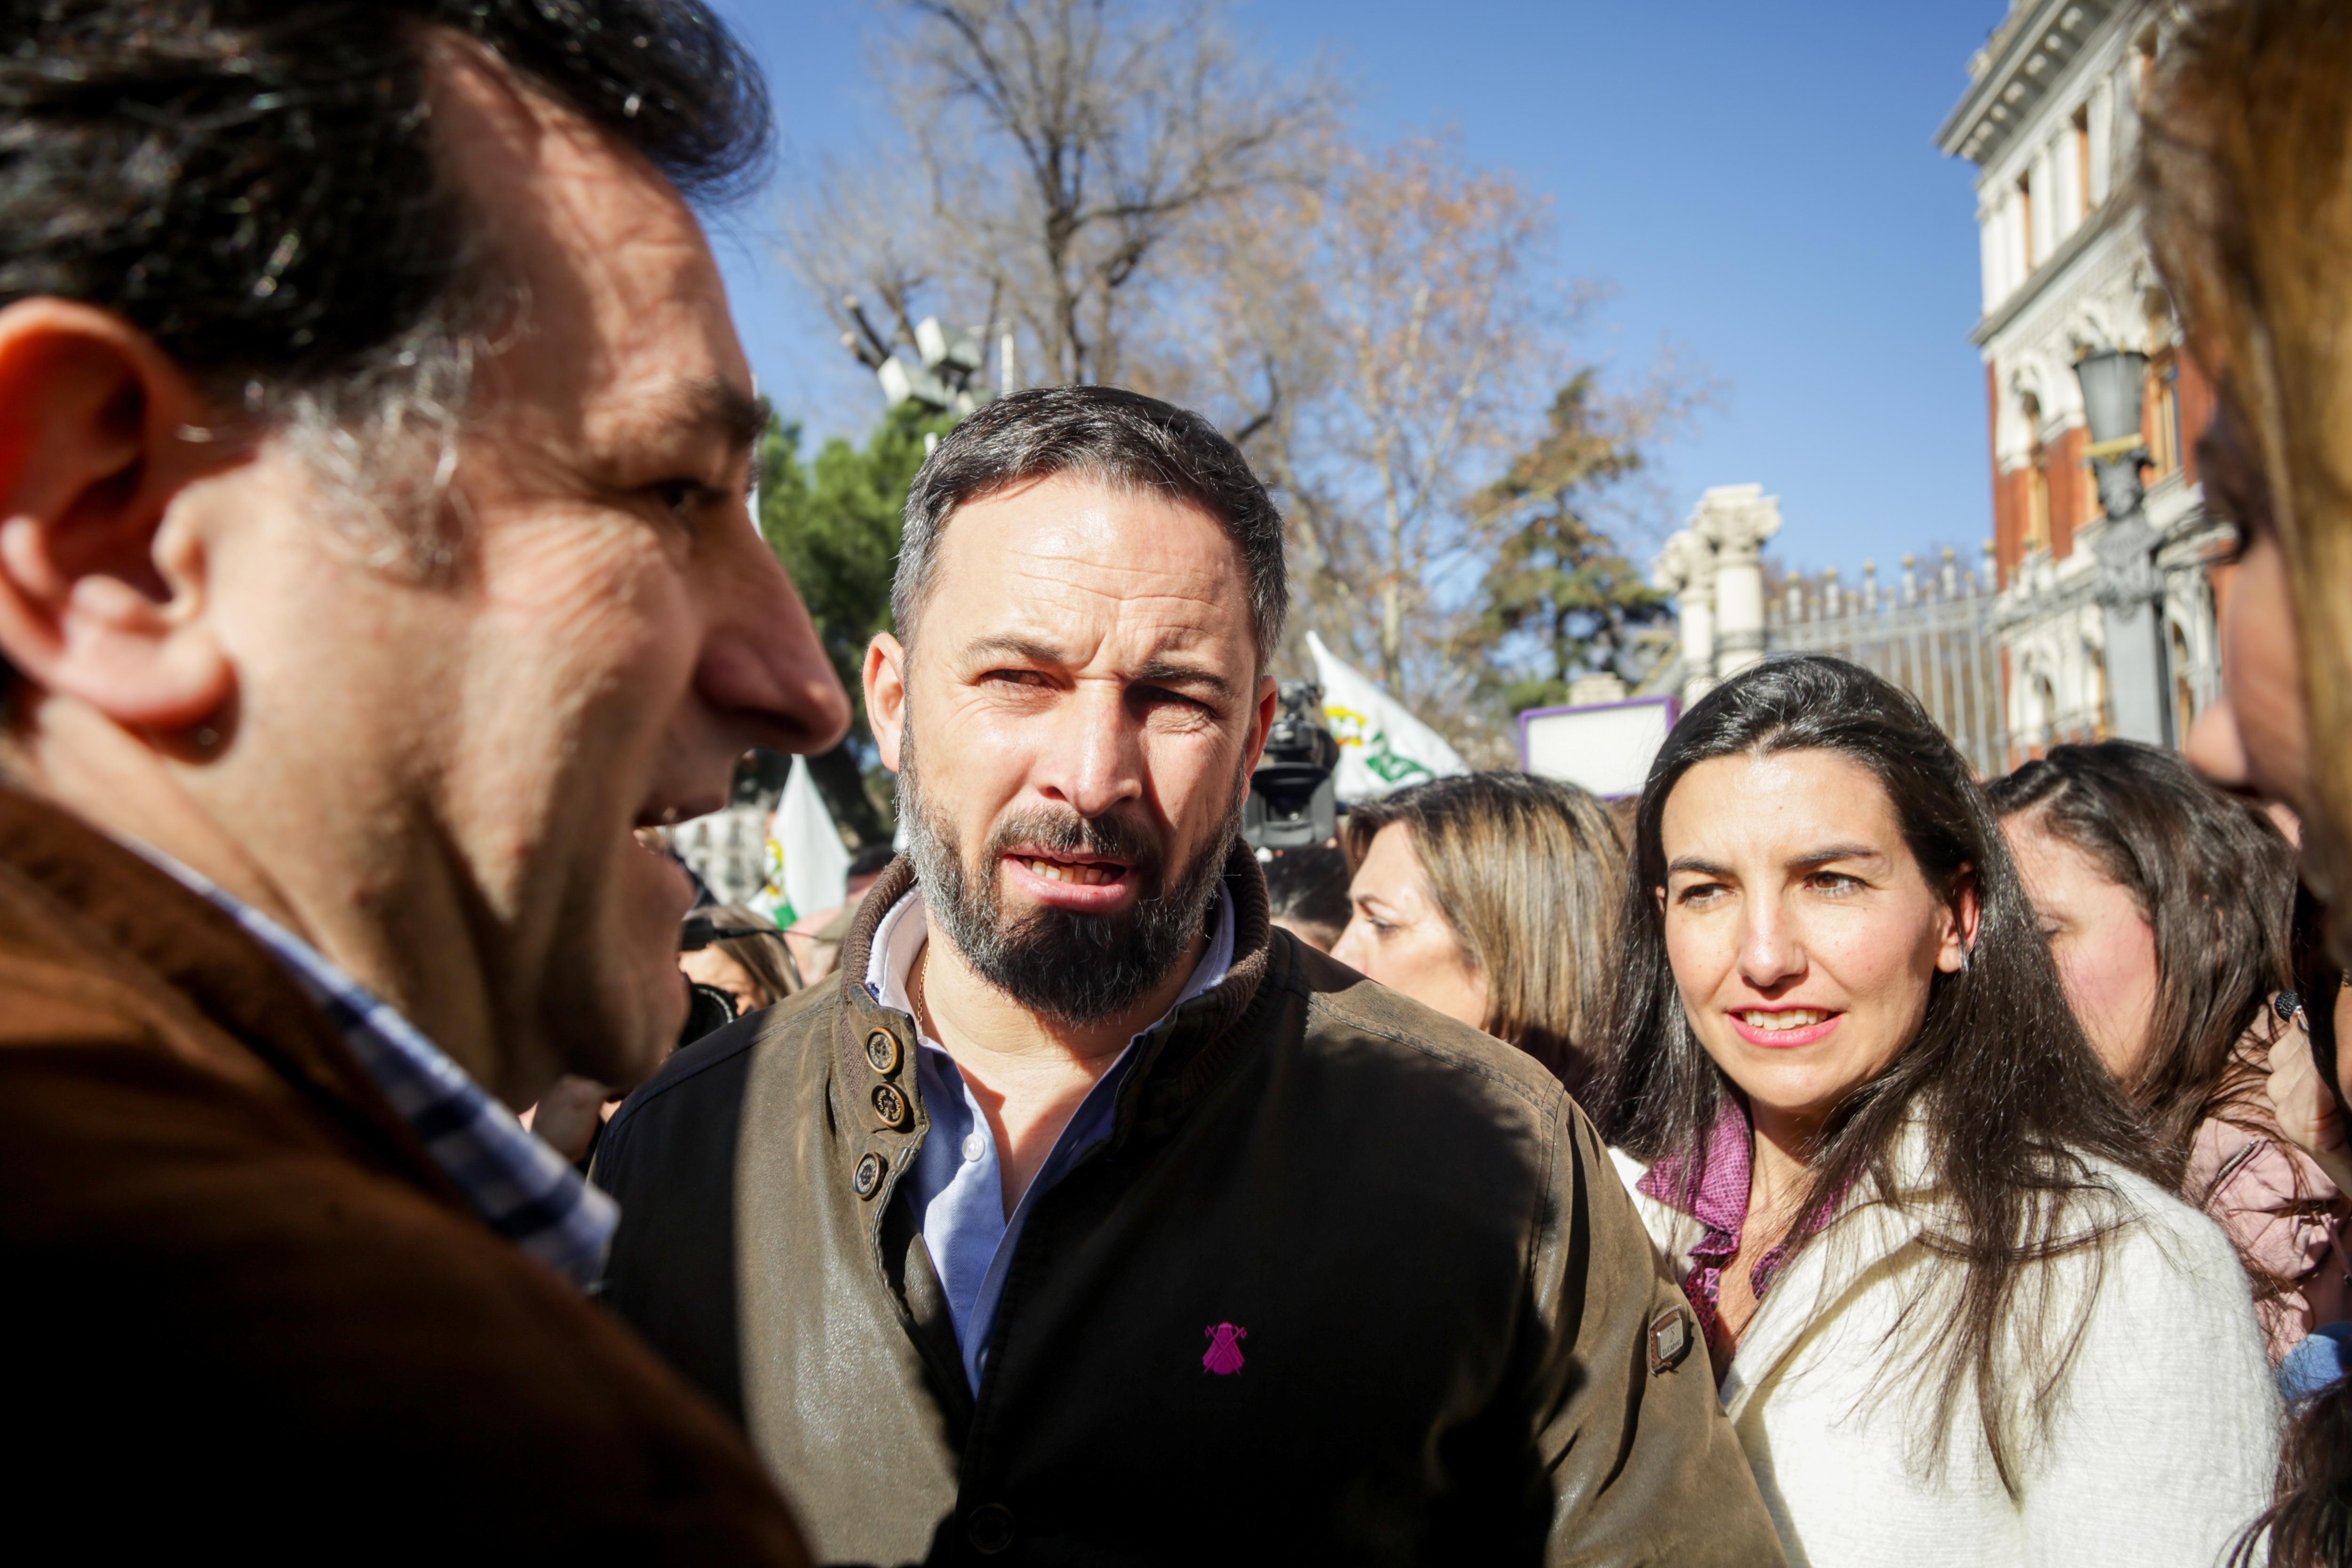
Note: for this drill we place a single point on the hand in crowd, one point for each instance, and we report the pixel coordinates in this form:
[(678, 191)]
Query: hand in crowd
[(2305, 1110), (567, 1116)]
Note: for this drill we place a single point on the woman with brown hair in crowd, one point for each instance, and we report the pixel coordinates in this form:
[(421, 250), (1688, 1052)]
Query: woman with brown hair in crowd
[(1491, 897), (2168, 906), (2247, 179)]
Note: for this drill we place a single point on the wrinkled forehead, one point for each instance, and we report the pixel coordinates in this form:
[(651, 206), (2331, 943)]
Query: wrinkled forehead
[(618, 300), (1099, 569)]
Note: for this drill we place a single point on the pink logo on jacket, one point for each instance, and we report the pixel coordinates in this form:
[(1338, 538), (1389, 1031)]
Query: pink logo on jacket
[(1225, 1354)]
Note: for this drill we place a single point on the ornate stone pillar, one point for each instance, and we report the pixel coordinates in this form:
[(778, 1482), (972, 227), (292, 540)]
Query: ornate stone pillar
[(2130, 591), (1737, 519), (1685, 568)]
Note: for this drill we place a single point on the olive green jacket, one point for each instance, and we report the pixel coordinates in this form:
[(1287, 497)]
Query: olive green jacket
[(1348, 1282)]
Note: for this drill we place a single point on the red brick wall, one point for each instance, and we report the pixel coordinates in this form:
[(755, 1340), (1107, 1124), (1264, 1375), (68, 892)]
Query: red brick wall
[(2194, 395), (2007, 508), (2070, 504)]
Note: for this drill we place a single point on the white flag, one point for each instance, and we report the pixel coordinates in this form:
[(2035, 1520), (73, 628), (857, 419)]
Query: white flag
[(1382, 746), (816, 866)]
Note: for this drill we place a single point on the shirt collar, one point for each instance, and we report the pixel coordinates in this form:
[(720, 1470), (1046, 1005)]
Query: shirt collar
[(1716, 1193), (521, 1188)]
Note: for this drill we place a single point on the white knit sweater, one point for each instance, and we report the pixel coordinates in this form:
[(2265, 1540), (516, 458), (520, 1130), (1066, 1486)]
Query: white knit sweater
[(2165, 1436)]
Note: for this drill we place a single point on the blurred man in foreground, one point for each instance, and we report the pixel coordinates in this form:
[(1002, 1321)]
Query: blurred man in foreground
[(372, 561), (1088, 1217)]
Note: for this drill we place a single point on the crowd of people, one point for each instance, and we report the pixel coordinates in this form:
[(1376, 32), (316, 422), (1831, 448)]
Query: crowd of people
[(1828, 1157)]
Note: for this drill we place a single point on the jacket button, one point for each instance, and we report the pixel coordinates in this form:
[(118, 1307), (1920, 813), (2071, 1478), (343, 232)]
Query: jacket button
[(882, 1052), (868, 1175), (990, 1529), (891, 1106), (1671, 1334)]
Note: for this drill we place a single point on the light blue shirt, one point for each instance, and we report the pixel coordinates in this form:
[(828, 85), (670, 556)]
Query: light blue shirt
[(956, 1184)]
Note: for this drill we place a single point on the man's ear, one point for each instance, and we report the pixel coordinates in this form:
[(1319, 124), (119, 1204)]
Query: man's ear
[(1269, 698), (886, 695), (98, 431)]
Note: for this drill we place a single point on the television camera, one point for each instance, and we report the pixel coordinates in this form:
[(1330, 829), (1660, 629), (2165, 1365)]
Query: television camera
[(1292, 803)]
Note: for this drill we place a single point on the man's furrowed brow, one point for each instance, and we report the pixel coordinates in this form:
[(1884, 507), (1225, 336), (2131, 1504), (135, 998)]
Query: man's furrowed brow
[(1170, 672), (1011, 646)]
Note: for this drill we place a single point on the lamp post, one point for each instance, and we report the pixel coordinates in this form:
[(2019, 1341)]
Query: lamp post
[(942, 377), (2130, 586)]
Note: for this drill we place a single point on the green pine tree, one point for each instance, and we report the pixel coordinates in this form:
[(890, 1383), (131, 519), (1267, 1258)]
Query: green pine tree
[(835, 521), (1560, 598)]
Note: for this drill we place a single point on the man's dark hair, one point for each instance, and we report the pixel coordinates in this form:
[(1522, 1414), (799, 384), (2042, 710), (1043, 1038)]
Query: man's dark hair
[(1309, 887), (253, 182), (254, 185), (872, 861), (1117, 437)]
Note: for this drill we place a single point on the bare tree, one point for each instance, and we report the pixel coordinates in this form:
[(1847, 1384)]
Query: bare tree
[(1053, 151), (1379, 346), (1131, 197)]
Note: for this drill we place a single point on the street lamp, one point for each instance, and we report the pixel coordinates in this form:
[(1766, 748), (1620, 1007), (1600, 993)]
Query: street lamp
[(941, 377), (2114, 382), (2130, 585)]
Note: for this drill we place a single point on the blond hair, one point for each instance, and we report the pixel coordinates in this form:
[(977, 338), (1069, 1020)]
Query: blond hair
[(1529, 872), (2246, 174)]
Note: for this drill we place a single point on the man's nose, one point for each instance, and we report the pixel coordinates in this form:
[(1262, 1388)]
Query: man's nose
[(1094, 761), (762, 670), (2216, 749)]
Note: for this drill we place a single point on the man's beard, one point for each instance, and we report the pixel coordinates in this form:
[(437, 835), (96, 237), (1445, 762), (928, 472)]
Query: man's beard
[(1064, 964)]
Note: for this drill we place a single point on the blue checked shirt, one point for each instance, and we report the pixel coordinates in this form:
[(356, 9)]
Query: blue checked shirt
[(525, 1191)]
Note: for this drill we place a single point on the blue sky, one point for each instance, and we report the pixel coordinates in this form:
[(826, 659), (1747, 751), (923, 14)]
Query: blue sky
[(1755, 181)]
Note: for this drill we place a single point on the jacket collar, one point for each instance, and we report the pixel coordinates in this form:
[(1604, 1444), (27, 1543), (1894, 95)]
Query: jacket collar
[(874, 1047), (1845, 1259), (212, 990)]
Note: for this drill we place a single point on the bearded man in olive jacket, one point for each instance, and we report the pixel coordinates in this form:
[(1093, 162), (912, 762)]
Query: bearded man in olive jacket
[(1089, 1218)]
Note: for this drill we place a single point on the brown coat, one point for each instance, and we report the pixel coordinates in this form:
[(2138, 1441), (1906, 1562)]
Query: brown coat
[(243, 1308), (1348, 1282)]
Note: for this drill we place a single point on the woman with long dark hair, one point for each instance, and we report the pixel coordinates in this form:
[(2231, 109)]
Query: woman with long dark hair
[(1955, 1314), (2168, 906)]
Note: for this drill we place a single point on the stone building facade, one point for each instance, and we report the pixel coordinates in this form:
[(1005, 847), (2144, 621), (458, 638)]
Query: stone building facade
[(1714, 567), (2051, 120)]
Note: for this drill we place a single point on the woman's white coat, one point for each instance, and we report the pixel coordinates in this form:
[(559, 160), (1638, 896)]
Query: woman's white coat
[(2162, 1443)]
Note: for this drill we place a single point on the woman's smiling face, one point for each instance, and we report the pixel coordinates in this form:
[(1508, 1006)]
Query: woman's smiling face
[(1802, 933)]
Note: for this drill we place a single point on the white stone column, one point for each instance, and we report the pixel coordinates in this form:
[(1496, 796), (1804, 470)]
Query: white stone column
[(1685, 568), (2101, 122), (1737, 519)]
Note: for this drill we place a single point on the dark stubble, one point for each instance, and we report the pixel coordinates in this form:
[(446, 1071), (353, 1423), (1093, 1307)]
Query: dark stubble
[(1063, 965)]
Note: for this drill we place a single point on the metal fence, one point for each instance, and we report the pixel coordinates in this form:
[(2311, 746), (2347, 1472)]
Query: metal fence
[(1931, 634)]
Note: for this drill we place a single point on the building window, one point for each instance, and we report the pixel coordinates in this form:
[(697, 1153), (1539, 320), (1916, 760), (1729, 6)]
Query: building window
[(2037, 479), (2041, 714), (2184, 690), (2162, 437), (2025, 223), (2037, 503), (2080, 134)]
